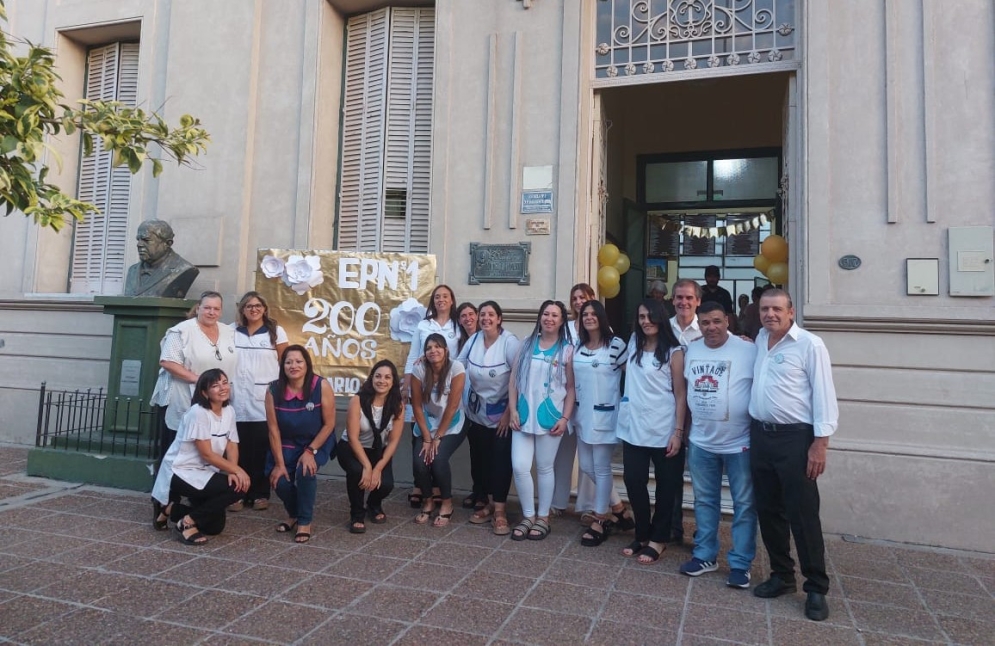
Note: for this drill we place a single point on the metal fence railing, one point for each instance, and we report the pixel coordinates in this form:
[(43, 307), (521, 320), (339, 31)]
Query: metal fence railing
[(87, 421)]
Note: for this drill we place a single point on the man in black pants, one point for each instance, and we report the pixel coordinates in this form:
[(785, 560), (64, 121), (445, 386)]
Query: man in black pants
[(793, 406)]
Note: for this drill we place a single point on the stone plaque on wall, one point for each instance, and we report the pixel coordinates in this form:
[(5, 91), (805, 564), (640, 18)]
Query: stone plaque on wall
[(499, 263)]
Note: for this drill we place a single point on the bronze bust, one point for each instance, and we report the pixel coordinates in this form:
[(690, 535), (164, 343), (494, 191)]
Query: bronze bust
[(161, 272)]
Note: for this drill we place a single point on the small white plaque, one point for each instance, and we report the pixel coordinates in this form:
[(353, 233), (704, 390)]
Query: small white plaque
[(537, 226)]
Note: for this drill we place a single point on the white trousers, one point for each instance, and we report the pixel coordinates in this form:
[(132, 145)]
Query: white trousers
[(542, 448), (564, 470), (596, 464)]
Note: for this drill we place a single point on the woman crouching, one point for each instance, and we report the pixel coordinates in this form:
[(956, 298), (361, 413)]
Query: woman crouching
[(374, 426), (202, 462)]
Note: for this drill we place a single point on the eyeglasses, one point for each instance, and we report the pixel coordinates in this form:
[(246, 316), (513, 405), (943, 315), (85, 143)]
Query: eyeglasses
[(257, 306)]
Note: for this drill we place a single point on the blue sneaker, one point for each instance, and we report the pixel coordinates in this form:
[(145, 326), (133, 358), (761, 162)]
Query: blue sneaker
[(738, 579), (697, 567)]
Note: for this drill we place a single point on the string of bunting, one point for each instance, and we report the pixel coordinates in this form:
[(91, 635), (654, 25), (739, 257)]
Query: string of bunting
[(715, 232)]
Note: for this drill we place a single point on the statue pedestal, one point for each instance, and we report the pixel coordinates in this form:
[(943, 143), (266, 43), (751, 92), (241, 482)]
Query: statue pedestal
[(140, 322)]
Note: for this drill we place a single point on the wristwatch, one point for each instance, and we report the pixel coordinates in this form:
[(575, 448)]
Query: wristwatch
[(313, 450)]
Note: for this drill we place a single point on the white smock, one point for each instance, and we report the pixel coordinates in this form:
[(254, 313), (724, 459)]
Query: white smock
[(597, 374), (540, 405)]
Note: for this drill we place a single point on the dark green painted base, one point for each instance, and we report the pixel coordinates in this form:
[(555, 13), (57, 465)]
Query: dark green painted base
[(90, 468)]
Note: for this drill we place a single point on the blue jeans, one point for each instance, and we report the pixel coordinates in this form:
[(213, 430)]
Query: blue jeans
[(706, 479), (299, 493)]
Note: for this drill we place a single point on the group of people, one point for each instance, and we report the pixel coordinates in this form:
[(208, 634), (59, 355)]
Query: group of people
[(760, 412)]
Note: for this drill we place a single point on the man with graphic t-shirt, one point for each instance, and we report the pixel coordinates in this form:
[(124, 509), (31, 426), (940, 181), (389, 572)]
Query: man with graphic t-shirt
[(719, 372)]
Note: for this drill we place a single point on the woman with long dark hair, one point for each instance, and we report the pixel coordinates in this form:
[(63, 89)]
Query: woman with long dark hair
[(488, 357), (202, 463), (260, 342), (300, 413), (597, 364), (374, 426), (436, 397), (466, 316), (440, 318), (542, 388), (651, 426)]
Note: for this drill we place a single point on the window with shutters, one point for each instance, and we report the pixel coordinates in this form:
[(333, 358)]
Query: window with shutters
[(100, 241), (387, 131)]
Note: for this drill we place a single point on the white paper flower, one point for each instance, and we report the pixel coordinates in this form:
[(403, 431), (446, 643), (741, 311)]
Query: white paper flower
[(272, 267), (404, 320), (302, 273)]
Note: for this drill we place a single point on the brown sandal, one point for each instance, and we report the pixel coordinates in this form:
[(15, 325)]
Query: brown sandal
[(482, 516), (500, 525)]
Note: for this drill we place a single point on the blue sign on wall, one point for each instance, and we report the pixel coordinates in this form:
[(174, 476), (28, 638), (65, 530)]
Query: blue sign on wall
[(537, 202)]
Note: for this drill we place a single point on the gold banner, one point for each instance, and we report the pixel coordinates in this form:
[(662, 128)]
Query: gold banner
[(349, 309)]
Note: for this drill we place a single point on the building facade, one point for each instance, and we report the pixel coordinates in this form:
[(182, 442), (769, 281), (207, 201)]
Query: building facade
[(857, 129)]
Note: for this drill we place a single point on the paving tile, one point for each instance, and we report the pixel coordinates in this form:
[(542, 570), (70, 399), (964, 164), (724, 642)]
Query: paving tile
[(712, 590), (650, 581), (149, 562), (654, 614), (420, 635), (567, 598), (147, 537), (930, 559), (581, 573), (309, 558), (346, 628), (366, 567), (543, 627), (34, 575), (982, 566), (76, 526), (134, 512), (474, 535), (724, 623), (805, 631), (525, 565), (11, 535), (246, 550), (838, 549), (632, 634), (42, 546), (72, 503), (391, 601), (204, 571), (8, 562), (888, 594), (494, 586), (478, 616), (263, 581), (21, 516), (83, 626), (21, 614), (279, 621), (889, 571), (947, 581), (93, 554), (895, 621), (146, 597), (85, 587), (881, 639), (456, 554), (211, 609), (326, 591), (427, 576), (398, 547), (968, 632), (688, 639), (961, 605)]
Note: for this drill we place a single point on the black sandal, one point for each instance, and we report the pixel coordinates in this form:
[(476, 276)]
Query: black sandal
[(648, 551), (157, 511), (283, 528), (470, 502), (635, 547), (194, 539), (593, 538), (303, 537), (377, 515), (356, 526), (415, 500), (622, 522)]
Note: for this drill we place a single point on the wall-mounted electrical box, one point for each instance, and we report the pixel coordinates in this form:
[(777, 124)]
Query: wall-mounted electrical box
[(972, 261), (923, 276)]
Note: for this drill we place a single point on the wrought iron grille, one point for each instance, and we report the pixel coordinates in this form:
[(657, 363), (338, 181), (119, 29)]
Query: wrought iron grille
[(86, 421), (644, 37)]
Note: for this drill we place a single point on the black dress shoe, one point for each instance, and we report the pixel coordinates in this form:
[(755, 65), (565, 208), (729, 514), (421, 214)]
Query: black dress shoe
[(775, 586), (816, 606)]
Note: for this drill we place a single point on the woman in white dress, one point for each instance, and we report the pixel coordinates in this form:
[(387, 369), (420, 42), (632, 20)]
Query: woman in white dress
[(566, 455), (543, 391), (202, 463), (598, 359), (651, 427), (488, 357), (259, 342), (440, 318)]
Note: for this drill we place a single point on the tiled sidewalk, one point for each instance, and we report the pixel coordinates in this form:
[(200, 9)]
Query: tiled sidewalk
[(82, 565)]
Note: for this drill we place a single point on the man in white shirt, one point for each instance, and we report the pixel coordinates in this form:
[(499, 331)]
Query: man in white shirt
[(687, 298), (793, 406), (719, 373)]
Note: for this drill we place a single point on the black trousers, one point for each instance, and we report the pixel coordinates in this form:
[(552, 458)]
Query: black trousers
[(253, 443), (207, 505), (669, 479), (358, 499), (787, 504), (490, 462)]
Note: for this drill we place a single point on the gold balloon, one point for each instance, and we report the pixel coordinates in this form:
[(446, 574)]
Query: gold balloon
[(622, 264), (611, 291), (607, 255), (774, 248), (760, 263), (778, 273), (608, 277)]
